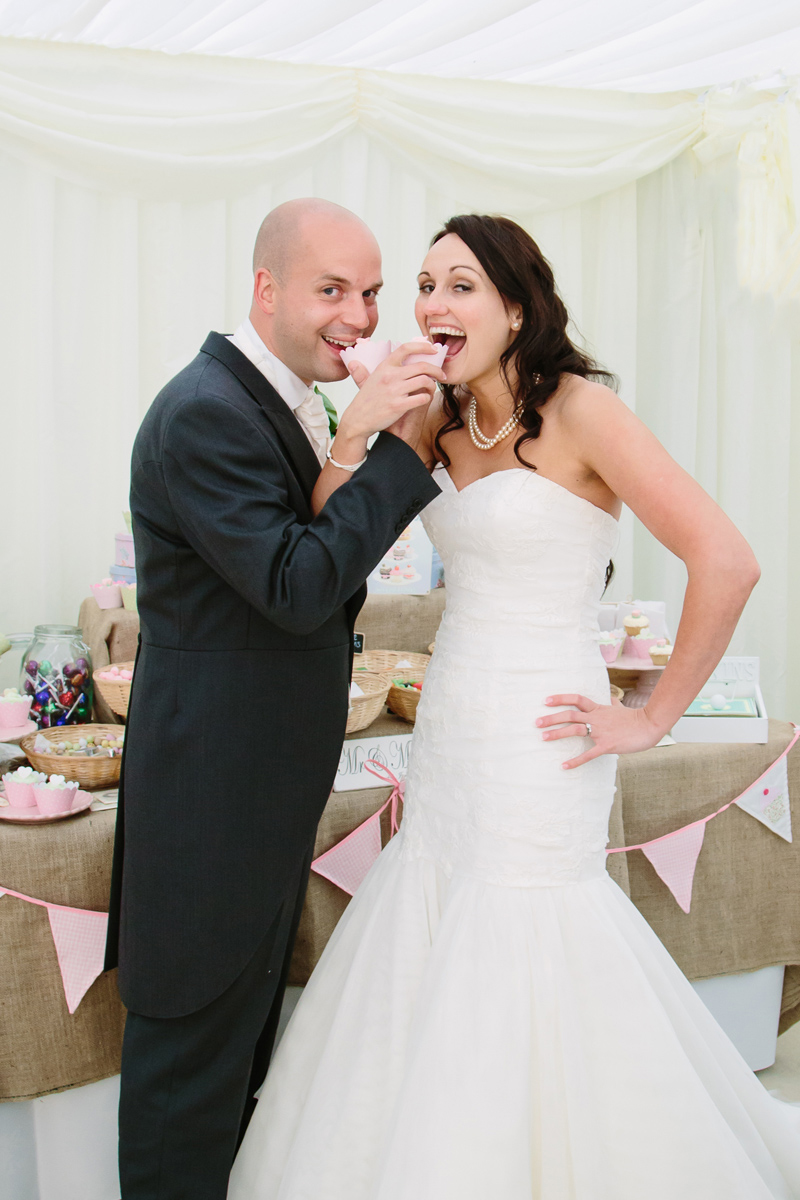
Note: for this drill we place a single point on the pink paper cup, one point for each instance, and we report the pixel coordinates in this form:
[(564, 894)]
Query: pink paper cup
[(107, 595), (52, 801), (369, 352), (640, 647), (14, 712), (610, 652), (437, 359), (19, 795)]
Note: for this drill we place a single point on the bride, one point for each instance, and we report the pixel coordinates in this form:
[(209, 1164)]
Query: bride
[(492, 1018)]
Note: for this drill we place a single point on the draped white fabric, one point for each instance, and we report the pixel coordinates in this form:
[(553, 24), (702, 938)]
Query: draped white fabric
[(151, 125), (134, 182), (635, 45)]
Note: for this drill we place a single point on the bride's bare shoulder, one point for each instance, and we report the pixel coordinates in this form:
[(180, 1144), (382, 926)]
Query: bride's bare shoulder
[(585, 405)]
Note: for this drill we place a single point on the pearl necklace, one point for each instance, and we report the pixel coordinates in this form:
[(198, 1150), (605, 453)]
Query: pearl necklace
[(479, 439)]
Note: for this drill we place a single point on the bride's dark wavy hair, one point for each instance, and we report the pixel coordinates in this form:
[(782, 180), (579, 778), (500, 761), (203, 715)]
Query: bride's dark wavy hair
[(541, 351)]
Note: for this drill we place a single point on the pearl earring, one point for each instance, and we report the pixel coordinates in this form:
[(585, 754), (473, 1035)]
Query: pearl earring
[(515, 324)]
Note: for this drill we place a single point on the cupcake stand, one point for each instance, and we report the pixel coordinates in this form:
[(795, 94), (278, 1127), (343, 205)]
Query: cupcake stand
[(636, 676)]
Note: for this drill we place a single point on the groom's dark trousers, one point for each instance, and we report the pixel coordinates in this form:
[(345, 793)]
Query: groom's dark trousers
[(235, 725)]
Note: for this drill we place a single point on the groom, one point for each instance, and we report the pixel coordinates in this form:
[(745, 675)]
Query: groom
[(247, 602)]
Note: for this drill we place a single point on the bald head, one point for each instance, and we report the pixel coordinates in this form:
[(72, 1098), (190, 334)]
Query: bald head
[(284, 231), (317, 270)]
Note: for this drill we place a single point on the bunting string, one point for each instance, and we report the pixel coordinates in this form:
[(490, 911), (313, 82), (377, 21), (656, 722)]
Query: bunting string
[(673, 856), (79, 934), (704, 820)]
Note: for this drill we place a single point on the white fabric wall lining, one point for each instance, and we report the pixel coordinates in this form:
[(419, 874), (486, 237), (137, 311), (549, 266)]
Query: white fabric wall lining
[(133, 186)]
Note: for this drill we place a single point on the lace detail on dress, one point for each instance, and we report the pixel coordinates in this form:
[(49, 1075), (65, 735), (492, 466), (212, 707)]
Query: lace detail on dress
[(486, 796)]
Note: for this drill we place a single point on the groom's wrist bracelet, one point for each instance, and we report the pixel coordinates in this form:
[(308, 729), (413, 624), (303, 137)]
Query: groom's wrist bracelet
[(344, 466)]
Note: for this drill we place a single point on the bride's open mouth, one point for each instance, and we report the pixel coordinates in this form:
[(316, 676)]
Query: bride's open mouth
[(454, 338)]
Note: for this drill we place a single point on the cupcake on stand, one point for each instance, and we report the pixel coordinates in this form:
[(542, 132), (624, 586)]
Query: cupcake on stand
[(638, 669)]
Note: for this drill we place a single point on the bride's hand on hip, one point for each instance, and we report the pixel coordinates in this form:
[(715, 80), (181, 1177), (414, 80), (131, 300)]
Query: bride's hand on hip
[(613, 728)]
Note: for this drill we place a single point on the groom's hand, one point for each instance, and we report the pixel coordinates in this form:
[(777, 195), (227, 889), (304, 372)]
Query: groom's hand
[(394, 397)]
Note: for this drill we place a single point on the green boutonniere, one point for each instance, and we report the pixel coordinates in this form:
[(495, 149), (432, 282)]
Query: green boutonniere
[(333, 417)]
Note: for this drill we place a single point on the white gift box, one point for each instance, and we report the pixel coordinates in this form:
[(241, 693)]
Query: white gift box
[(734, 678)]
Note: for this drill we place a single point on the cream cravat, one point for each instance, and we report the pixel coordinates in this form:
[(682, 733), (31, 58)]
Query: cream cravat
[(312, 416)]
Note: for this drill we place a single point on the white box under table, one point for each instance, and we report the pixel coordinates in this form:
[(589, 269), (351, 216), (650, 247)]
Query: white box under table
[(748, 1007)]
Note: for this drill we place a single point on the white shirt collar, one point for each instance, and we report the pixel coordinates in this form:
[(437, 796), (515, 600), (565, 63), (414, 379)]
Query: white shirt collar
[(290, 387)]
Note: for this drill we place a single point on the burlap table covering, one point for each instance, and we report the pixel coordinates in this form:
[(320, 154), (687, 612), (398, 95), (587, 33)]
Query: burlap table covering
[(746, 897), (401, 622), (732, 927), (42, 1048)]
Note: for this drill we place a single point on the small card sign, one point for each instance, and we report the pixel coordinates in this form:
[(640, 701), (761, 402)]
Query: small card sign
[(735, 669), (391, 751), (358, 643)]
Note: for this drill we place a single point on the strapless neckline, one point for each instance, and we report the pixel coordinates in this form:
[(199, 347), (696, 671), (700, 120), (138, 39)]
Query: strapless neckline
[(440, 467)]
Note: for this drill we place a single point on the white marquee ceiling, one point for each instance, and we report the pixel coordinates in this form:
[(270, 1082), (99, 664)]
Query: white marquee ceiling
[(630, 45)]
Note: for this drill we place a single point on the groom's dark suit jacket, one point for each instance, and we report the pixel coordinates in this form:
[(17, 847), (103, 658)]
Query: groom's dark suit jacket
[(240, 694)]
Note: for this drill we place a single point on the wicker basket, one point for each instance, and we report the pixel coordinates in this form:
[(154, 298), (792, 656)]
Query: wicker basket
[(403, 701), (116, 693), (383, 661), (365, 709), (616, 692), (92, 772)]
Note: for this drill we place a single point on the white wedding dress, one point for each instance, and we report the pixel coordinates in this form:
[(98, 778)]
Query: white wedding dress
[(493, 1019)]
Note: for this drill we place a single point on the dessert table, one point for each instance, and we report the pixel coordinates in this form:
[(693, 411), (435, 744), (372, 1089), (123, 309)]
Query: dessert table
[(42, 1048), (745, 912)]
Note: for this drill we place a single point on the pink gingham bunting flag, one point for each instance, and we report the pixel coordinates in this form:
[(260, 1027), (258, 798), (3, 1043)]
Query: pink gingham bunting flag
[(347, 863), (675, 858), (80, 938)]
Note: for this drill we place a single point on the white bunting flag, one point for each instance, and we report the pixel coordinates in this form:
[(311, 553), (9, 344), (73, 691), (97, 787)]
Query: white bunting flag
[(675, 858), (768, 800)]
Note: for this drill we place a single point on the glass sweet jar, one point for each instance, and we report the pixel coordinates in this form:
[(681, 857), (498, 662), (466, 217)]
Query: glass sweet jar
[(57, 673)]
